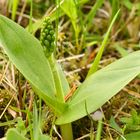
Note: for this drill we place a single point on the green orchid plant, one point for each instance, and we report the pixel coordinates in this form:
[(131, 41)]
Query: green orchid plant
[(36, 61)]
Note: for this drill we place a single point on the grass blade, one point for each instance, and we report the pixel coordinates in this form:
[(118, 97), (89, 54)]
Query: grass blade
[(14, 8), (92, 13), (95, 64)]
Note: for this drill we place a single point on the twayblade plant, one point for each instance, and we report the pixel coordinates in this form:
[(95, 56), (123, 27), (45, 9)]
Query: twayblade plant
[(48, 80)]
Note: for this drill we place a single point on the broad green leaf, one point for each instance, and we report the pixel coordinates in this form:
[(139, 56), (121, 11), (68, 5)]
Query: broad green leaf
[(27, 54), (13, 133), (101, 86)]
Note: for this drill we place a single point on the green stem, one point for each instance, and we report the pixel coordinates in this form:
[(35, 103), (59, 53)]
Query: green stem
[(91, 130), (99, 130), (57, 81), (66, 130)]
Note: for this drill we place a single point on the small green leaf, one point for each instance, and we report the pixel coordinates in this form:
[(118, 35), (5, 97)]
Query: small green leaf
[(121, 50), (69, 7), (114, 125), (128, 4), (132, 136), (44, 137), (92, 12), (13, 133)]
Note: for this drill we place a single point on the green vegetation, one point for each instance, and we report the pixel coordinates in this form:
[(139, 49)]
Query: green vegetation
[(49, 100)]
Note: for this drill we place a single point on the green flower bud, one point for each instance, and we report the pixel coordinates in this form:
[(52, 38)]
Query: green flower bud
[(47, 37), (53, 38), (46, 31), (52, 45), (46, 43), (52, 32)]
